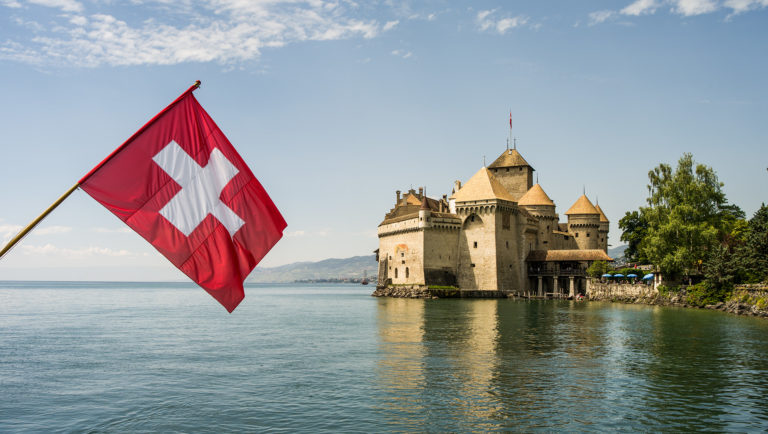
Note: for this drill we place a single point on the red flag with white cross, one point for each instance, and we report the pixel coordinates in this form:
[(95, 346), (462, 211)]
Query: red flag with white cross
[(181, 185)]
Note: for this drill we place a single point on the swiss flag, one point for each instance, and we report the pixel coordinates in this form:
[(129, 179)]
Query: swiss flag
[(181, 185)]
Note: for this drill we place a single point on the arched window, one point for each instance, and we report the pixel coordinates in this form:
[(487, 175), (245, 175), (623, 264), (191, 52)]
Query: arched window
[(406, 272), (395, 273)]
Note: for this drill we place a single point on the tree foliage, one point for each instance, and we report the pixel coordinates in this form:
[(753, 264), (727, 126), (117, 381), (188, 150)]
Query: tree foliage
[(634, 229), (686, 217), (752, 256), (597, 269)]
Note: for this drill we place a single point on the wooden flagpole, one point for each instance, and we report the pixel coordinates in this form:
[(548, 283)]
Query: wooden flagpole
[(40, 218), (58, 202)]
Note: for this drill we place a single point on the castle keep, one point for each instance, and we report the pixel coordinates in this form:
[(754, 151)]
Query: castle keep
[(497, 232)]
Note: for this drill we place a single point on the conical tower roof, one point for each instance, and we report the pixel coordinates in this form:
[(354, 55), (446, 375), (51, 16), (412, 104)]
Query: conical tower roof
[(535, 196), (603, 218), (482, 186), (509, 158), (582, 206)]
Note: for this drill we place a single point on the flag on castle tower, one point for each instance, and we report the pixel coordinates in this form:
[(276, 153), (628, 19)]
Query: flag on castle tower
[(179, 183), (510, 119)]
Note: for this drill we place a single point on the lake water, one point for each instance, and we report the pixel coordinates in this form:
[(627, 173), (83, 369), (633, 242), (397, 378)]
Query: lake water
[(167, 357)]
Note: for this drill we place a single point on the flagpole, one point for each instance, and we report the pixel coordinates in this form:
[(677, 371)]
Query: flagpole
[(35, 222), (58, 202)]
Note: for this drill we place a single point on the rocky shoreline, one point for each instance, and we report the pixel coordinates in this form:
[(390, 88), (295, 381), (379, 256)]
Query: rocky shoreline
[(733, 305), (749, 300)]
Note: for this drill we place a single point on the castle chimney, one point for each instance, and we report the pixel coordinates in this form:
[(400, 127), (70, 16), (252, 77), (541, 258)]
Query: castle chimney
[(421, 191), (398, 197), (457, 185)]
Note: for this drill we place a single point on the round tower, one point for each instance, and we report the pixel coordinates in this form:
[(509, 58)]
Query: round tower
[(584, 223), (537, 203), (424, 213), (603, 230)]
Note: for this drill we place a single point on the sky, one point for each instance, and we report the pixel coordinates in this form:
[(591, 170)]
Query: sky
[(336, 104)]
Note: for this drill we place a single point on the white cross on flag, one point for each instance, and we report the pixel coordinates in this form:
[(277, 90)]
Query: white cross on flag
[(181, 185)]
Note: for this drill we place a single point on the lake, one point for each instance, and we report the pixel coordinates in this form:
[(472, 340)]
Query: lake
[(78, 356)]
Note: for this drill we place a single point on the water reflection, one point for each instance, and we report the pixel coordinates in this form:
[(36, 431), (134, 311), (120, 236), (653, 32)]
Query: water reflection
[(505, 364)]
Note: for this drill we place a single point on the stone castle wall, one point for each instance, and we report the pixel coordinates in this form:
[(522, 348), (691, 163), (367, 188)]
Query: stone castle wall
[(516, 180)]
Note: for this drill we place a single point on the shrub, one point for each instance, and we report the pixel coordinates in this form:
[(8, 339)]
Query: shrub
[(702, 294)]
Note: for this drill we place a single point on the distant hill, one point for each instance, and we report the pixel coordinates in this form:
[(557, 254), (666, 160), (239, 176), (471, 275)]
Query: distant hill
[(326, 269), (617, 253)]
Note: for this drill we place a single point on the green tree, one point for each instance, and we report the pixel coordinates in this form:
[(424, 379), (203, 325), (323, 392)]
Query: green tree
[(634, 228), (597, 269), (687, 216), (752, 256)]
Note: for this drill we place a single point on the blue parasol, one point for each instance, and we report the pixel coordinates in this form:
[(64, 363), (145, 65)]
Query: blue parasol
[(632, 275), (607, 275), (648, 276), (618, 275)]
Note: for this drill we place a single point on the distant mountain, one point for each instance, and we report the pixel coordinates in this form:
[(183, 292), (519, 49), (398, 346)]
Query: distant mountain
[(353, 267), (617, 253)]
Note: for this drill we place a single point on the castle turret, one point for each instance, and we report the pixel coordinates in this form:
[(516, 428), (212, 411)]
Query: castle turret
[(584, 223), (513, 172), (603, 229), (424, 213), (537, 203)]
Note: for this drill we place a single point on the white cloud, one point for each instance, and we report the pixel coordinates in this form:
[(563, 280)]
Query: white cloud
[(9, 231), (295, 234), (401, 53), (64, 5), (48, 230), (641, 7), (598, 17), (486, 21), (686, 8), (694, 7), (10, 4), (390, 25), (51, 250), (431, 17), (741, 6), (221, 31)]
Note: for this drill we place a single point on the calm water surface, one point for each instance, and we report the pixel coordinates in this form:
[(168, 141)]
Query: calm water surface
[(167, 357)]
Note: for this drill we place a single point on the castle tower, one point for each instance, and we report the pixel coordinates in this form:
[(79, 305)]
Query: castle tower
[(603, 230), (513, 172), (536, 202), (489, 254), (424, 214), (584, 223)]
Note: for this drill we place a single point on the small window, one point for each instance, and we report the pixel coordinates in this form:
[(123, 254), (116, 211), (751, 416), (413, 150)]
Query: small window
[(544, 242), (576, 235), (402, 255), (395, 273), (407, 273), (521, 168), (403, 262), (507, 169), (421, 218), (565, 238), (472, 265), (547, 227), (587, 234), (475, 244), (472, 218), (507, 243)]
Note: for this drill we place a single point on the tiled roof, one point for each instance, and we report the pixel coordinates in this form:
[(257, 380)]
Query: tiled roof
[(535, 196), (509, 158), (567, 255), (582, 206), (482, 186), (603, 218)]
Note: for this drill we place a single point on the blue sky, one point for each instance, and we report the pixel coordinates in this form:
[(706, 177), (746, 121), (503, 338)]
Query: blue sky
[(335, 105)]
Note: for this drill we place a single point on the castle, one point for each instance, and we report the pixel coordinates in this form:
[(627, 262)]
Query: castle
[(497, 232)]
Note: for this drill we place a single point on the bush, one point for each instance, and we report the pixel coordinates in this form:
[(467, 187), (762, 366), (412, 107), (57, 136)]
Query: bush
[(702, 294), (597, 269)]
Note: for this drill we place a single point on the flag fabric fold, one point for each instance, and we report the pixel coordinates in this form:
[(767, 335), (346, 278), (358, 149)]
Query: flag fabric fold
[(180, 184)]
